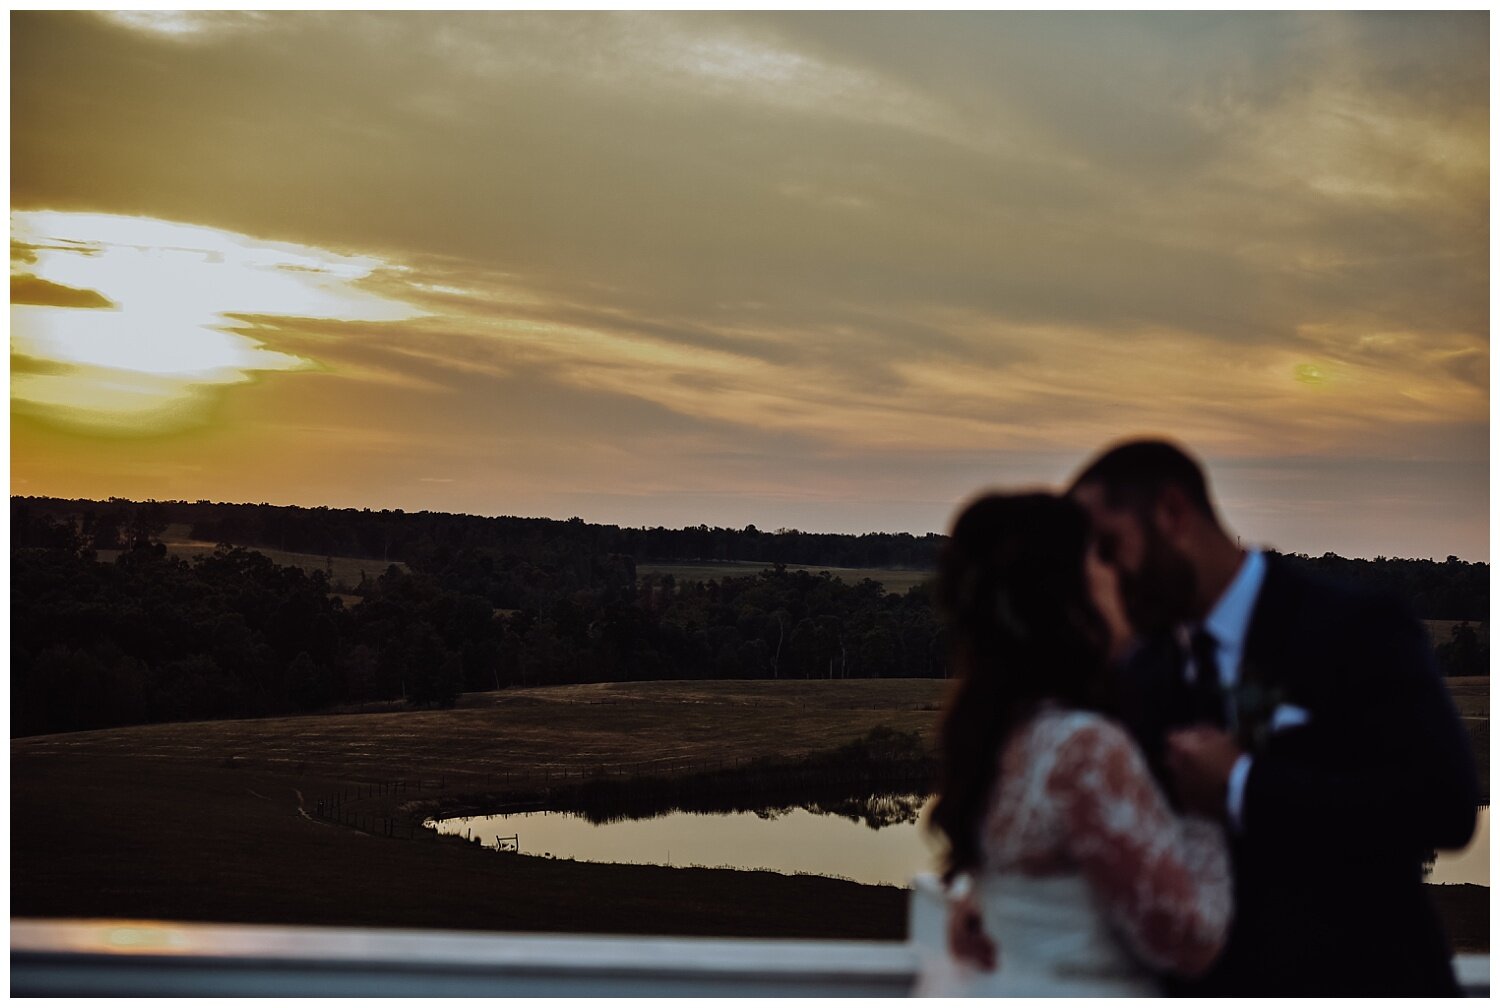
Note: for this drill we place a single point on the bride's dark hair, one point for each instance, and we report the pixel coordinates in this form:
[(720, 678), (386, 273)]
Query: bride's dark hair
[(1023, 629)]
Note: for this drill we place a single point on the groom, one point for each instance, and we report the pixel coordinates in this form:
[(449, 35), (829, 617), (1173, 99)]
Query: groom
[(1306, 716)]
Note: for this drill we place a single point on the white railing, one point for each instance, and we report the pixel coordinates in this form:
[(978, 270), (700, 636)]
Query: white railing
[(157, 959), (99, 958)]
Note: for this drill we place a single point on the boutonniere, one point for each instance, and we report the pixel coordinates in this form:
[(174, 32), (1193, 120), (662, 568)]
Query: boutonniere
[(1254, 703)]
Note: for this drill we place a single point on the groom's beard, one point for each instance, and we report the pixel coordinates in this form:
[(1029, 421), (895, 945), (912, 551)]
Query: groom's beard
[(1159, 595)]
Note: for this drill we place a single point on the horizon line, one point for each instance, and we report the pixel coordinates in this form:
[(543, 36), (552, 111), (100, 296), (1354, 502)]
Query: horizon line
[(1265, 547)]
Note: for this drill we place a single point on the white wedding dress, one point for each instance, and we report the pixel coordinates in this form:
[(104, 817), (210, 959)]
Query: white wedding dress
[(1091, 885)]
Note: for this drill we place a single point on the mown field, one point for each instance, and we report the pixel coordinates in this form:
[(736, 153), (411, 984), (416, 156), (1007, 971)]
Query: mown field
[(211, 821), (1442, 631), (897, 581), (349, 571), (342, 570), (1471, 695)]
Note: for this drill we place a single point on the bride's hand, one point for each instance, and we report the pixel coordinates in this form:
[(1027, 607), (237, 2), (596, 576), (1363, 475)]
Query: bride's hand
[(966, 938), (1200, 760)]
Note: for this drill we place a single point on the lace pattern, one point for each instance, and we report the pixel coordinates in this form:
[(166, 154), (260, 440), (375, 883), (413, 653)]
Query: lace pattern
[(1074, 795)]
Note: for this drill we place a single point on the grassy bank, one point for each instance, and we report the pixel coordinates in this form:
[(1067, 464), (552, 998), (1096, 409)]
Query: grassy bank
[(882, 761), (214, 821)]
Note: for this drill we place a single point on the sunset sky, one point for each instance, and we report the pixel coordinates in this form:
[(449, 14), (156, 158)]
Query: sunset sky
[(830, 271)]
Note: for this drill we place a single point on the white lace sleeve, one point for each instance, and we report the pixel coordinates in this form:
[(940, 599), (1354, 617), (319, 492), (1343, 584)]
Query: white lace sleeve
[(1164, 880)]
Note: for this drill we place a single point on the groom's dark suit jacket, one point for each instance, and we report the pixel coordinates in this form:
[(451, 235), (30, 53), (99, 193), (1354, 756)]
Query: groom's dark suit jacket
[(1340, 812)]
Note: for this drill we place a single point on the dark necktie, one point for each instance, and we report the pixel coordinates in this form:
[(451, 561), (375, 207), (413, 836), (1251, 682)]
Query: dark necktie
[(1207, 691)]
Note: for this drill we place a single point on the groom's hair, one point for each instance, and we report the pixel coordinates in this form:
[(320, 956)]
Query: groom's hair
[(1134, 474)]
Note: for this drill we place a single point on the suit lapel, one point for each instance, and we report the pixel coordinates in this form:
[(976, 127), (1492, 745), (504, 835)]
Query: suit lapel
[(1272, 619)]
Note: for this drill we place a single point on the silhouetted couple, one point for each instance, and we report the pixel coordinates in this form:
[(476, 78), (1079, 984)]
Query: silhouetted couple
[(1172, 765)]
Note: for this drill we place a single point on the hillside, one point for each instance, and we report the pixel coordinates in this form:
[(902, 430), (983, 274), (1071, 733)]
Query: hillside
[(212, 821)]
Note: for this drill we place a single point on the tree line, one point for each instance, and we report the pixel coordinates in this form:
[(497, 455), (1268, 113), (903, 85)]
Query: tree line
[(425, 537), (153, 637)]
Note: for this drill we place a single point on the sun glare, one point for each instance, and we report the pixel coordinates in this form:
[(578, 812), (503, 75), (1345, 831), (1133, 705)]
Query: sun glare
[(163, 22), (184, 25), (173, 292)]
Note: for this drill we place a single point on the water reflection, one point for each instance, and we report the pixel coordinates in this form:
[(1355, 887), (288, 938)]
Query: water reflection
[(875, 811), (875, 839), (1472, 864), (602, 803)]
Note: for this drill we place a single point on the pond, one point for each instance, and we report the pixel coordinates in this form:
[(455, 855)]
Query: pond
[(875, 840), (1472, 864)]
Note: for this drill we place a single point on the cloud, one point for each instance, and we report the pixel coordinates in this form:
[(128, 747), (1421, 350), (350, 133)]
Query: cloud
[(186, 26), (876, 237), (33, 290), (1121, 149)]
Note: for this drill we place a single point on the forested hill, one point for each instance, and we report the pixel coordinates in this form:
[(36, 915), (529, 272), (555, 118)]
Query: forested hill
[(434, 541), (149, 634)]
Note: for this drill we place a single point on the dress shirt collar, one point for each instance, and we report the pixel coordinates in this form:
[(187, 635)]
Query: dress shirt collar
[(1229, 620)]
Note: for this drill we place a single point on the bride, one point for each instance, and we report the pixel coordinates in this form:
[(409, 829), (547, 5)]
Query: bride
[(1068, 871)]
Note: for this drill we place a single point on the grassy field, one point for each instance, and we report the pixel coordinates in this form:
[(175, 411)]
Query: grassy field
[(1441, 630), (209, 821), (342, 570), (897, 581), (348, 570)]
